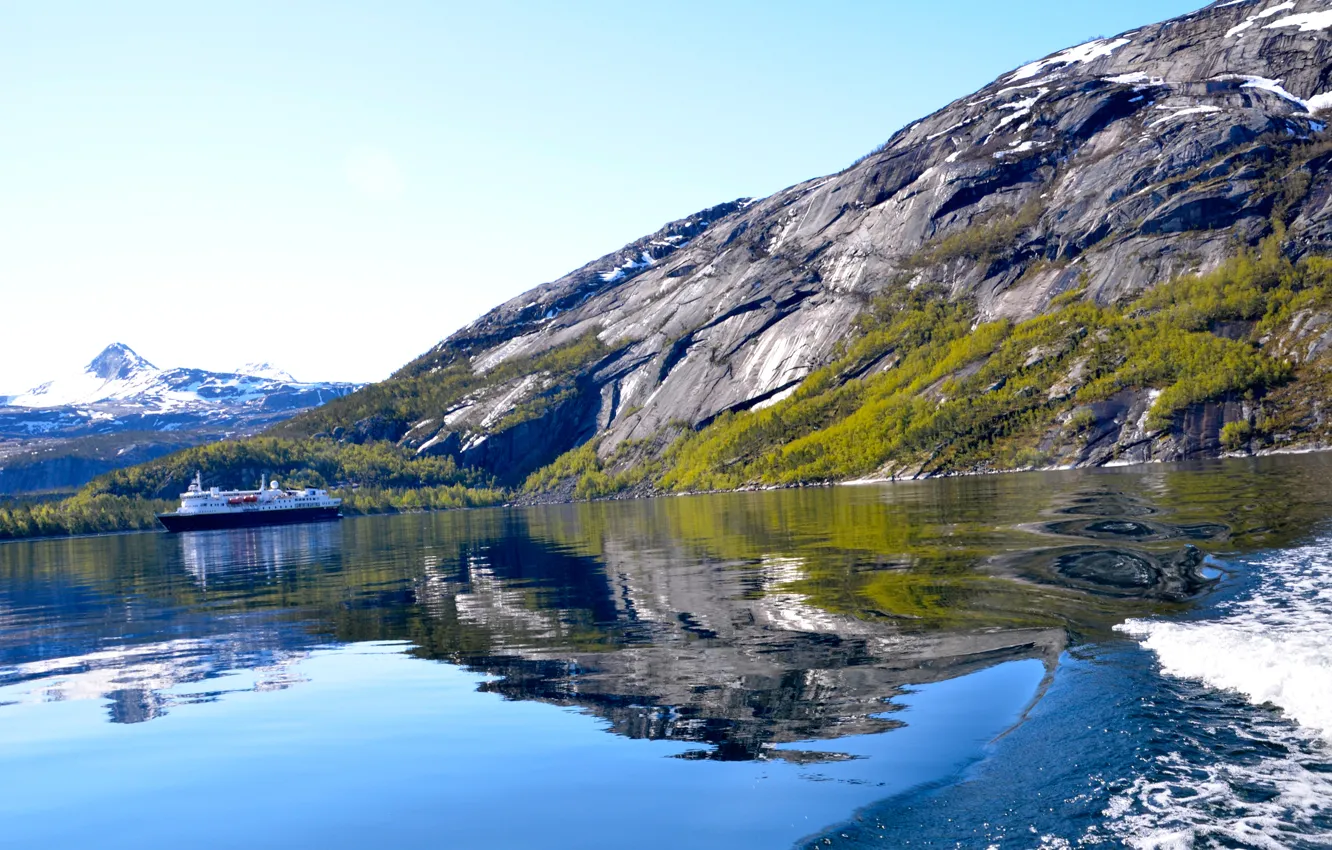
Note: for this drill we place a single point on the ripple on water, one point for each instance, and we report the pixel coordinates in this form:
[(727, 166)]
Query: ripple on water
[(1113, 529), (1173, 576), (1107, 504)]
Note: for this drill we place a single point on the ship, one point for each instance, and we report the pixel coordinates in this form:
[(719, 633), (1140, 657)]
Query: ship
[(214, 508)]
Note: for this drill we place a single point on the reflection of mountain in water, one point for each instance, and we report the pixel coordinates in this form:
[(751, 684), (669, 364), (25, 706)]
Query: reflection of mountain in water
[(741, 622), (711, 652), (660, 639), (1124, 554)]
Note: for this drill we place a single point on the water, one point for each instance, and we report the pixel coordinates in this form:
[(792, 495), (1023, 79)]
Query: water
[(1124, 658)]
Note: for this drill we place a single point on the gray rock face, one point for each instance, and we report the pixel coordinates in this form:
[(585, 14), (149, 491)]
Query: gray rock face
[(117, 362), (1118, 164)]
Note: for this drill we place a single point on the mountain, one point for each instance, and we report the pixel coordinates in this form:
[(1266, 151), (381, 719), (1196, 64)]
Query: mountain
[(1117, 253), (120, 382), (121, 409), (265, 370)]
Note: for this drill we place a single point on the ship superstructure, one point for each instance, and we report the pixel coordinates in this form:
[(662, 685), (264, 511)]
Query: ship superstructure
[(203, 509)]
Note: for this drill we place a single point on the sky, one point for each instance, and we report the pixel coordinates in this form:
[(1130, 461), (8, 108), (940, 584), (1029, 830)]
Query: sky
[(335, 187)]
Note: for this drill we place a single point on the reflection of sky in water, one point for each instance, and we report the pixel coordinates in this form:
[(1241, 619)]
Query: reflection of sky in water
[(416, 755), (142, 682)]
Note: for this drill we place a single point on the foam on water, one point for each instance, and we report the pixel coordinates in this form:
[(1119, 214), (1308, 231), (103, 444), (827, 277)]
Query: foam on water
[(1272, 804), (1275, 649)]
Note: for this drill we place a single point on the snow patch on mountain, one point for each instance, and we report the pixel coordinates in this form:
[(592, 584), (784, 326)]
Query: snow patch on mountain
[(265, 370), (1183, 112), (1082, 54), (119, 376), (1311, 106), (1307, 22)]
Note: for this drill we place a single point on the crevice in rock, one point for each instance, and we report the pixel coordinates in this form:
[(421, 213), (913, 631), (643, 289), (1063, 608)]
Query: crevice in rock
[(747, 404)]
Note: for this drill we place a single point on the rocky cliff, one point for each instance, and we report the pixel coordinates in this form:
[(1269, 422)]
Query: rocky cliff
[(1087, 179)]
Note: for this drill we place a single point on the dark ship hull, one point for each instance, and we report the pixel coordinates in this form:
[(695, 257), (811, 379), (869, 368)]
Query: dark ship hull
[(176, 522)]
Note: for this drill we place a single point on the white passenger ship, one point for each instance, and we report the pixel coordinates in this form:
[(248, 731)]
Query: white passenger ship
[(202, 510)]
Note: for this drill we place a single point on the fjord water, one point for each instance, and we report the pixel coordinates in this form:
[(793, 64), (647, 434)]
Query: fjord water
[(1008, 661)]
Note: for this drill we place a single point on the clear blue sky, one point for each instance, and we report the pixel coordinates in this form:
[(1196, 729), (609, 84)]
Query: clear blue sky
[(335, 187)]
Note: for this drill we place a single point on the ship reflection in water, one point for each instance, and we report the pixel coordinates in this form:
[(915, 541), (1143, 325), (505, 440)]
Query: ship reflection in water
[(252, 554), (786, 630)]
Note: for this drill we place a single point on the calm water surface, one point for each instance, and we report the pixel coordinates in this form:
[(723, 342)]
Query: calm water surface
[(1135, 657)]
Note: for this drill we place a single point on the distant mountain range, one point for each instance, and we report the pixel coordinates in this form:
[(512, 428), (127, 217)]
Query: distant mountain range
[(120, 389), (62, 432)]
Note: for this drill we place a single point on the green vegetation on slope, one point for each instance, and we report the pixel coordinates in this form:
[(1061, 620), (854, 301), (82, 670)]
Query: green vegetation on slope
[(81, 514), (987, 239), (920, 383), (591, 477), (962, 396), (430, 386)]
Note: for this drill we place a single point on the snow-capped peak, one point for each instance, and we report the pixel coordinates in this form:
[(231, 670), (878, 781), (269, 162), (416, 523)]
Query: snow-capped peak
[(117, 373), (265, 370), (119, 376), (118, 362)]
